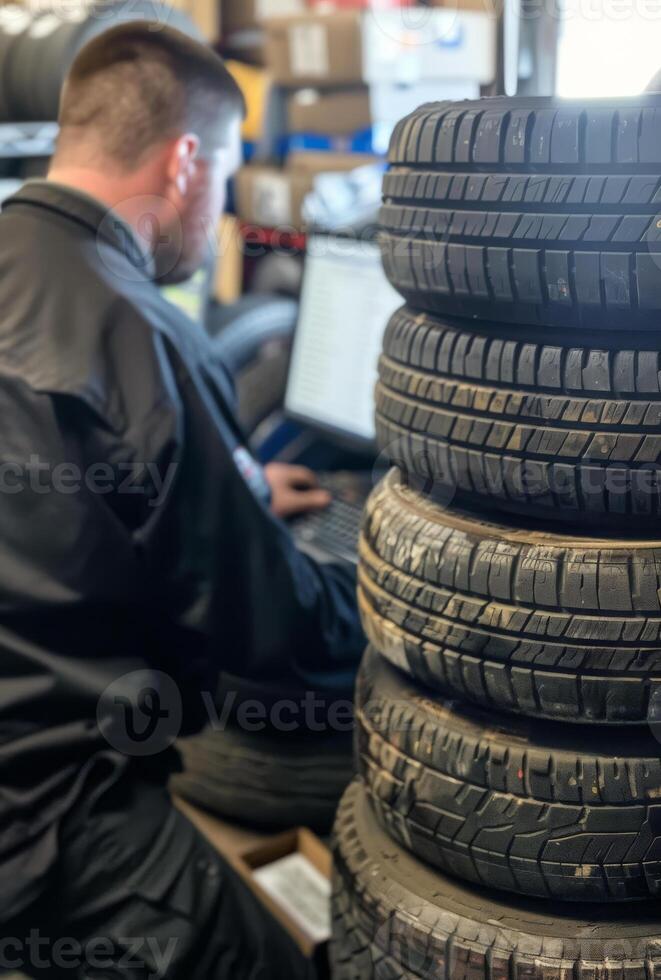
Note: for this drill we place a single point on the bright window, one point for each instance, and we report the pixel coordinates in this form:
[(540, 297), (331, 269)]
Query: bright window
[(608, 47)]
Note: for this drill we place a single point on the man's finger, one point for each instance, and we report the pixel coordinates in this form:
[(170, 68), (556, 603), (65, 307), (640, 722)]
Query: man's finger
[(303, 502), (315, 499), (301, 476)]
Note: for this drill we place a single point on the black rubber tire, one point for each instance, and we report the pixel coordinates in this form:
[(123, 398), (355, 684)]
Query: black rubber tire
[(431, 926), (41, 56), (354, 957), (531, 622), (549, 429), (242, 329), (535, 808), (264, 781), (24, 65), (253, 339), (530, 210), (261, 387), (13, 19)]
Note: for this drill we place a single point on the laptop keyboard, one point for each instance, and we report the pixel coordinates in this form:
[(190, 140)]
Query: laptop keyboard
[(337, 529)]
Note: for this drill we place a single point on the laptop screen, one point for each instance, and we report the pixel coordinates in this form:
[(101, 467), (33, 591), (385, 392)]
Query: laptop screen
[(345, 307)]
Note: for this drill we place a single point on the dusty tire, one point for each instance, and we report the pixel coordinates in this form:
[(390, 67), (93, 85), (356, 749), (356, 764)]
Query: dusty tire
[(264, 781), (540, 624), (430, 926), (551, 428), (529, 807), (535, 211), (354, 957)]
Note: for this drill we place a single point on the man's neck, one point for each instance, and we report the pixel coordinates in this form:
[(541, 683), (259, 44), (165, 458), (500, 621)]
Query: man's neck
[(126, 195)]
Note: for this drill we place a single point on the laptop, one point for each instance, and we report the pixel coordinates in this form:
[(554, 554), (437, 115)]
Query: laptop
[(346, 303)]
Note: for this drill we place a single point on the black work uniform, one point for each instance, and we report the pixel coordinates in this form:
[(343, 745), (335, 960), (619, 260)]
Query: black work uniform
[(138, 557)]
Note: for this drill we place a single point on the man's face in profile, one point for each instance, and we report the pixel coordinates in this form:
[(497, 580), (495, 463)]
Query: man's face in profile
[(188, 247)]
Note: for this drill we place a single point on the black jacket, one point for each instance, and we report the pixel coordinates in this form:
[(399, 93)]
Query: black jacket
[(138, 555)]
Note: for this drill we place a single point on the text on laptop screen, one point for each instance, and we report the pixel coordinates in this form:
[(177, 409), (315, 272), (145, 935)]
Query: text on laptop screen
[(345, 307)]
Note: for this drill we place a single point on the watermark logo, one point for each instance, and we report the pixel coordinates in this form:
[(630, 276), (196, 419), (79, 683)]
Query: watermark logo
[(154, 239), (406, 28), (144, 956), (140, 713)]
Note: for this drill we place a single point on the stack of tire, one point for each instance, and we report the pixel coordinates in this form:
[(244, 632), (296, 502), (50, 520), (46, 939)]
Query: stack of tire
[(506, 822), (38, 46)]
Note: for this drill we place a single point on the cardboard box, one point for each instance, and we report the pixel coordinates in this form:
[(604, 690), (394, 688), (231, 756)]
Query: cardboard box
[(246, 15), (270, 197), (205, 14), (339, 112), (250, 853), (273, 197), (313, 162), (346, 112), (326, 5), (381, 47), (304, 845), (443, 46), (492, 7), (316, 49)]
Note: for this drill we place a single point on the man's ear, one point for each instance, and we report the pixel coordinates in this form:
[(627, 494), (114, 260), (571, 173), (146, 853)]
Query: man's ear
[(182, 162)]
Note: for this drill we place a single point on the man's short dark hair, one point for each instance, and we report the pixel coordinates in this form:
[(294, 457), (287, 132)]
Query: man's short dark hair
[(141, 83)]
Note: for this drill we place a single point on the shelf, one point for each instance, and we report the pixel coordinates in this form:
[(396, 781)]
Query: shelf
[(19, 140)]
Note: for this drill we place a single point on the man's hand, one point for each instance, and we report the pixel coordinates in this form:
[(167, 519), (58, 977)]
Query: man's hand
[(294, 490)]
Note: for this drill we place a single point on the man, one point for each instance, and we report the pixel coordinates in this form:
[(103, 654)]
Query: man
[(139, 549)]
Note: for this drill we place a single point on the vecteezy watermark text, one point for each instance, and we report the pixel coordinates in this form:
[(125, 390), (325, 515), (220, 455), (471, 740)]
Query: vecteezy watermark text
[(309, 712), (122, 955), (42, 477)]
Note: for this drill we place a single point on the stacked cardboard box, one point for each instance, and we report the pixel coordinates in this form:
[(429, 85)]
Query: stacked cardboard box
[(342, 78), (270, 196), (352, 72), (248, 15), (206, 14), (273, 197), (244, 23), (381, 47), (339, 112)]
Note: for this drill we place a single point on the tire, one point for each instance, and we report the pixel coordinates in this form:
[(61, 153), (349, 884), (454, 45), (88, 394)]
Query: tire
[(431, 926), (253, 339), (261, 387), (513, 619), (534, 808), (242, 329), (530, 210), (354, 957), (13, 20), (266, 782), (549, 429), (41, 56), (279, 274)]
